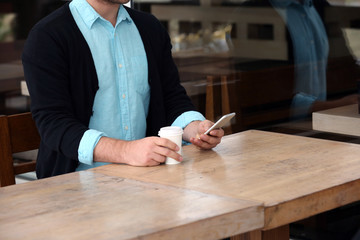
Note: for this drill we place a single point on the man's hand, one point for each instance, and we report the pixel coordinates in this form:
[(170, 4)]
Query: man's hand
[(150, 151), (194, 133)]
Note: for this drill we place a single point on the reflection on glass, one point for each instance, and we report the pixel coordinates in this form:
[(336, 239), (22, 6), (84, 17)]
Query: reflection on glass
[(279, 59), (204, 40), (310, 50), (7, 27)]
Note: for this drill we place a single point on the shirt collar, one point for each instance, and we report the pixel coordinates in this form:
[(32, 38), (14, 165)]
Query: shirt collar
[(123, 15), (89, 15)]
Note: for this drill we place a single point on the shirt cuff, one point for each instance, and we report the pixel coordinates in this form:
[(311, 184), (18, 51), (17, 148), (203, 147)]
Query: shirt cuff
[(187, 117), (87, 144)]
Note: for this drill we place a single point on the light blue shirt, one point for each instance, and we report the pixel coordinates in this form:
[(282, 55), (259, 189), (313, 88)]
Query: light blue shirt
[(311, 49), (121, 104)]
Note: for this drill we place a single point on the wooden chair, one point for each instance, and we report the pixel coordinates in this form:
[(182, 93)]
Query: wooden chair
[(18, 133), (217, 104), (258, 97)]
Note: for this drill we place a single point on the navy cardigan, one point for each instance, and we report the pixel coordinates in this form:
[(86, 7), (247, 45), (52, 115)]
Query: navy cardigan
[(62, 81)]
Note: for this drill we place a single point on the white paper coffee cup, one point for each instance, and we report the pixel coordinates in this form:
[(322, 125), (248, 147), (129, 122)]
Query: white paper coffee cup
[(174, 134)]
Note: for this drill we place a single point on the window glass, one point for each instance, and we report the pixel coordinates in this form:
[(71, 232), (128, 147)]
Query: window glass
[(273, 62)]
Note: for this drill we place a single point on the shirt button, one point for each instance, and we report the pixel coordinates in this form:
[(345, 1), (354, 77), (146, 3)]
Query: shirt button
[(126, 127), (123, 96), (312, 41), (120, 65)]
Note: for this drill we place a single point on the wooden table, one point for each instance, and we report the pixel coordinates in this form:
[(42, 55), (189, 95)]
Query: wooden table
[(91, 205), (295, 177), (343, 120)]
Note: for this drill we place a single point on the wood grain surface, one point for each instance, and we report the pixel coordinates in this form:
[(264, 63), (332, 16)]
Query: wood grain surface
[(91, 205), (295, 177)]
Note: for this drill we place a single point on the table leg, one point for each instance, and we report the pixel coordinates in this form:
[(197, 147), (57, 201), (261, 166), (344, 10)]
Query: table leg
[(254, 235), (279, 233), (2, 103)]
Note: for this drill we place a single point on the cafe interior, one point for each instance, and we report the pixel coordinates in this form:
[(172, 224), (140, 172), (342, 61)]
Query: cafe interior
[(288, 166)]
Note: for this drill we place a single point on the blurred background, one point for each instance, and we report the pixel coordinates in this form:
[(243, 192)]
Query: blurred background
[(233, 55), (273, 62)]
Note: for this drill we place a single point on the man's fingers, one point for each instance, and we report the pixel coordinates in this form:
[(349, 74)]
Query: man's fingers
[(201, 144), (166, 152), (166, 143), (212, 139), (151, 151), (217, 133), (206, 124), (206, 141), (158, 158), (165, 148)]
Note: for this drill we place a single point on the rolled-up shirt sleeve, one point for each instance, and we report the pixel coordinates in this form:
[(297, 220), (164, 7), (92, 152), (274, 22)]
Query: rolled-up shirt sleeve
[(187, 117), (87, 144)]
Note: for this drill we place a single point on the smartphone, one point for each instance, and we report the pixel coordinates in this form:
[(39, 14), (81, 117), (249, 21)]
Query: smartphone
[(221, 122)]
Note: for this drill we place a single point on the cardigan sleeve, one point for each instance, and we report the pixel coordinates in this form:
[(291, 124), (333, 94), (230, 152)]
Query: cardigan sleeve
[(46, 68)]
